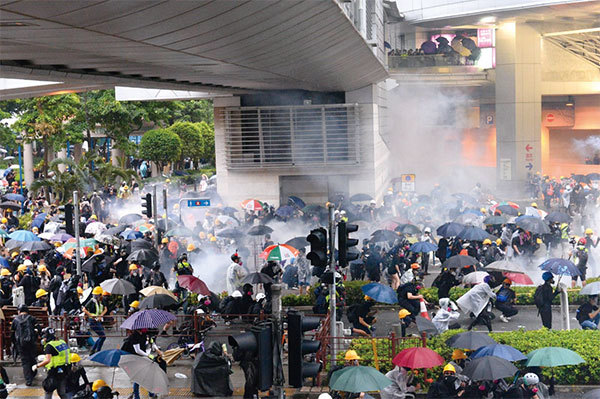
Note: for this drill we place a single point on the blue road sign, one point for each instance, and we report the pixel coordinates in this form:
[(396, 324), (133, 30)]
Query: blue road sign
[(198, 202)]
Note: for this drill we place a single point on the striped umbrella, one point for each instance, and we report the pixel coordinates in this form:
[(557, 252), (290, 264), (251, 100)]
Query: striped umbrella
[(279, 252), (151, 318), (252, 205)]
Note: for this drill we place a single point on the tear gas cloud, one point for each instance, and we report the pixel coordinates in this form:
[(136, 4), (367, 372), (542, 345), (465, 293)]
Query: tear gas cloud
[(587, 147)]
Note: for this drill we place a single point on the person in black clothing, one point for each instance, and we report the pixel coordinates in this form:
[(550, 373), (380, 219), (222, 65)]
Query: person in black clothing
[(156, 277), (373, 264), (247, 301), (409, 299), (546, 296), (588, 314), (6, 286), (505, 301), (442, 249), (444, 282), (364, 317), (3, 382), (29, 285), (24, 336), (273, 270), (447, 386), (134, 278), (77, 372)]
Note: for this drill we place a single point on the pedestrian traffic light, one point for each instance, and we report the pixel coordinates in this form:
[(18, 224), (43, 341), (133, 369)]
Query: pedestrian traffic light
[(147, 205), (318, 247), (259, 342), (298, 347), (67, 218), (345, 251)]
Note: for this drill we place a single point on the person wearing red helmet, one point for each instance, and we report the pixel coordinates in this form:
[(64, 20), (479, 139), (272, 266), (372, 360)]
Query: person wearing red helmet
[(580, 259)]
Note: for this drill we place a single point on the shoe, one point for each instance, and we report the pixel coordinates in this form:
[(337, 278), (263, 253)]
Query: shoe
[(503, 319), (29, 383), (508, 318)]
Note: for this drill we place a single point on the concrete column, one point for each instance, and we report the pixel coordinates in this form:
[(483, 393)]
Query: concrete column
[(77, 152), (28, 163), (226, 187), (518, 105), (115, 156), (63, 155)]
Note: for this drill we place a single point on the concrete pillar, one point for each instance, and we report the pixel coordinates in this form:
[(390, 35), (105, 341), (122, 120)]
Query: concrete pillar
[(518, 105), (226, 187), (28, 163), (116, 154), (77, 152), (63, 155)]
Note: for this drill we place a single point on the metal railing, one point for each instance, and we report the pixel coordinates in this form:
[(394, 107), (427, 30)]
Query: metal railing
[(284, 136), (423, 61)]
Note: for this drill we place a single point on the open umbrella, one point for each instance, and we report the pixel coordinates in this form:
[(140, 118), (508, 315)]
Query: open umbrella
[(109, 357), (13, 244), (468, 219), (313, 209), (450, 229), (505, 266), (95, 228), (408, 229), (150, 318), (114, 231), (107, 239), (118, 286), (508, 210), (145, 256), (129, 218), (495, 220), (180, 231), (285, 211), (295, 201), (474, 278), (259, 230), (140, 243), (489, 368), (560, 267), (130, 234), (591, 289), (3, 234), (532, 224), (519, 278), (418, 358), (279, 252), (60, 237), (383, 235), (35, 246), (558, 217), (23, 235), (229, 233), (14, 197), (158, 301), (458, 261), (358, 379), (423, 246), (252, 205), (156, 290), (146, 372), (227, 220), (257, 278), (360, 197), (470, 340), (472, 233), (193, 284), (380, 293), (426, 326), (502, 351), (10, 205), (552, 357), (298, 242)]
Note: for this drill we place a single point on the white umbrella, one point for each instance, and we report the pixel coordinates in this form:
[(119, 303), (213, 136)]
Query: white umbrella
[(117, 286), (46, 236), (474, 278), (147, 373), (505, 266), (591, 289), (95, 228), (51, 227)]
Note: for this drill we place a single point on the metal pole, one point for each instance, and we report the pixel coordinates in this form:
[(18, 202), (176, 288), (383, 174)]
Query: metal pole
[(76, 226), (155, 213), (332, 292), (165, 206), (21, 175)]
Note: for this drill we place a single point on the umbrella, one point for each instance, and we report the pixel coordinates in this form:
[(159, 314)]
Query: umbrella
[(3, 234), (279, 252), (227, 220), (426, 326), (228, 210), (470, 340), (170, 355), (13, 244), (519, 278), (285, 211), (229, 233), (383, 235), (36, 246), (95, 228), (146, 372), (508, 210), (260, 230), (257, 278), (44, 236), (532, 224), (108, 357), (471, 233), (313, 209), (193, 284), (489, 368), (23, 235), (380, 293), (88, 265), (140, 243), (495, 220), (468, 219), (474, 278), (118, 286), (113, 231), (450, 229), (14, 197), (560, 267), (408, 229), (423, 246), (293, 200), (130, 218), (146, 256), (10, 205), (156, 290), (107, 239), (144, 227), (252, 205), (591, 289), (358, 379), (4, 262), (150, 318), (553, 356), (505, 266), (131, 234), (418, 358), (360, 197), (180, 231), (62, 237), (558, 217), (502, 351), (158, 301), (38, 222), (297, 242), (458, 261)]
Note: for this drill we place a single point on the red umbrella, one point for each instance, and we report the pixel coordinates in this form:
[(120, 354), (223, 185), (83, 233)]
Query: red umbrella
[(193, 284), (519, 278), (418, 358)]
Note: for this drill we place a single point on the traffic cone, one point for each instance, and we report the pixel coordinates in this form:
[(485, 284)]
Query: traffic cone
[(423, 309)]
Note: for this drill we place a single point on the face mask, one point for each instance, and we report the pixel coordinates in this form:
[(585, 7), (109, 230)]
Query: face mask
[(206, 303)]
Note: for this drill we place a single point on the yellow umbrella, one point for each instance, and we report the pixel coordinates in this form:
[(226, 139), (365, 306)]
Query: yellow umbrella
[(170, 355), (155, 289)]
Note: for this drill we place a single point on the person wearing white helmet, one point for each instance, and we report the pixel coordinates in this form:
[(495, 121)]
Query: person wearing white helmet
[(526, 387), (426, 237)]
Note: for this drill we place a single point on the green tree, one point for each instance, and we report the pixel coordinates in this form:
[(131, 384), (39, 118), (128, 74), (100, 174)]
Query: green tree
[(161, 146), (193, 111), (207, 132), (191, 140)]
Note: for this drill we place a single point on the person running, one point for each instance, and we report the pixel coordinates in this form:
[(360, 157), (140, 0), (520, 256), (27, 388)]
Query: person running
[(138, 343), (24, 337), (543, 298), (477, 302), (95, 310), (580, 259), (57, 364), (505, 301)]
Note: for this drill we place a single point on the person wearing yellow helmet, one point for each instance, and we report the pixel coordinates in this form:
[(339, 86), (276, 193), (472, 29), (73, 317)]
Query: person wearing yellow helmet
[(76, 374), (447, 386), (351, 358), (41, 296), (98, 384), (487, 241), (95, 311), (363, 318)]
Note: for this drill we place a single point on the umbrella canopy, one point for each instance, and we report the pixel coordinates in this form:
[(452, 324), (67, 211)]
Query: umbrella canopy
[(130, 234), (380, 293), (180, 231), (418, 358), (107, 239), (62, 237), (3, 234), (423, 246), (458, 261), (295, 201), (95, 228), (358, 379), (560, 267), (260, 230), (129, 218), (155, 290), (495, 220), (360, 197), (145, 256), (297, 242), (146, 372), (474, 278), (472, 233), (140, 243), (10, 205), (408, 229), (227, 220), (502, 351), (252, 205), (489, 368), (36, 246), (426, 326), (150, 318), (193, 284), (113, 231), (229, 233), (13, 244), (118, 286), (257, 278), (558, 217), (383, 235), (285, 211), (158, 301), (450, 229), (552, 357), (591, 289), (505, 266), (508, 210), (468, 219), (110, 357), (593, 394), (519, 278), (23, 235), (313, 209), (279, 252), (470, 340), (532, 224), (14, 197)]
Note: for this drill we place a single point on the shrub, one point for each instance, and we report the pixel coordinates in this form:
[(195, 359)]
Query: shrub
[(297, 300)]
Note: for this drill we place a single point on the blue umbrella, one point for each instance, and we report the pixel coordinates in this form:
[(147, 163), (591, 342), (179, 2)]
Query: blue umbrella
[(450, 229), (560, 267), (151, 318), (285, 211), (7, 171), (38, 222), (472, 233), (23, 235), (380, 293), (14, 197), (109, 357), (474, 212), (4, 262), (503, 351), (423, 246), (131, 234), (292, 199)]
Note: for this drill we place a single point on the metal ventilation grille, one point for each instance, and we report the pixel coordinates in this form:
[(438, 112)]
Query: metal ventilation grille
[(585, 45), (270, 137)]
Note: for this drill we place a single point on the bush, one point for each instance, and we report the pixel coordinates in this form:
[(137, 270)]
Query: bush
[(297, 300)]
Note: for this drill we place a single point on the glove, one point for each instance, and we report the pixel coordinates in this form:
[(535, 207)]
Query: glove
[(34, 367), (151, 357)]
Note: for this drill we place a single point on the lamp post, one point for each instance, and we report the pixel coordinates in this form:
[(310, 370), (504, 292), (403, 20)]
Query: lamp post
[(19, 141)]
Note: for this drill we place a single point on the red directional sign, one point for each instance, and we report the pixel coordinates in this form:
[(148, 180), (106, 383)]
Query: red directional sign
[(528, 148)]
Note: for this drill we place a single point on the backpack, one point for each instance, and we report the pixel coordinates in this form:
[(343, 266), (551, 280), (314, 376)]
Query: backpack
[(351, 314), (580, 316), (538, 297), (25, 334)]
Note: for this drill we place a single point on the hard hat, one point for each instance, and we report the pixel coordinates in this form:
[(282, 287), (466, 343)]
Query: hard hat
[(98, 384), (531, 379), (589, 231), (168, 181), (534, 204), (483, 210), (74, 358), (42, 268), (5, 272), (191, 247), (79, 290), (582, 241), (164, 240), (97, 291), (94, 217), (507, 281), (134, 304), (4, 220), (351, 355), (415, 266), (202, 235), (35, 230), (547, 276), (487, 241), (324, 395), (498, 241), (236, 294), (105, 293), (14, 254), (260, 296), (27, 262), (133, 266), (538, 240), (213, 239), (457, 354), (403, 313), (21, 268), (427, 230), (40, 293), (368, 298), (449, 368)]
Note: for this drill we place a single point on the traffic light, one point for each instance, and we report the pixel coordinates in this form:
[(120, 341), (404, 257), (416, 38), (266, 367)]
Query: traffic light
[(67, 218), (318, 247), (259, 342), (147, 205), (345, 251), (298, 347)]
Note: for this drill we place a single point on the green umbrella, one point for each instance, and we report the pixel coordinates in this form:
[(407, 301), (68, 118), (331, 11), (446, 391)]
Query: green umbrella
[(358, 379), (552, 357), (3, 234)]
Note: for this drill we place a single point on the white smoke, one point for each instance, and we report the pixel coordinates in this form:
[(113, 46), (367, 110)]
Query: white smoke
[(587, 147)]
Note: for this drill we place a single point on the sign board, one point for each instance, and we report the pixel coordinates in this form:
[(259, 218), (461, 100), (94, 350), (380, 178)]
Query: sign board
[(558, 117), (505, 169), (485, 38), (408, 182), (198, 202)]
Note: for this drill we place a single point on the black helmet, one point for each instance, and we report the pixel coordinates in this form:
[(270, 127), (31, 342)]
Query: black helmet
[(235, 257), (23, 308), (49, 333)]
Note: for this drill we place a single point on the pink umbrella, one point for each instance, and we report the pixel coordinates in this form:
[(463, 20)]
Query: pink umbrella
[(519, 278), (193, 284), (418, 358)]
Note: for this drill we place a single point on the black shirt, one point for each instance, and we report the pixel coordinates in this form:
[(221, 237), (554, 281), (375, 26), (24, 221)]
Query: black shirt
[(130, 341), (585, 310), (50, 350)]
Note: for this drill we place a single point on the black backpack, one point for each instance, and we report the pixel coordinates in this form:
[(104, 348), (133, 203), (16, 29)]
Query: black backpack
[(25, 334), (580, 316), (538, 298)]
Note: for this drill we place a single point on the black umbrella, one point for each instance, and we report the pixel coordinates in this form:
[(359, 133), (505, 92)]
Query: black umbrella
[(508, 210), (471, 233), (229, 233), (495, 220), (533, 225), (450, 229), (593, 176), (88, 264), (581, 178), (260, 230), (13, 244), (313, 209), (489, 368), (296, 201), (158, 301), (408, 229), (36, 246), (229, 211), (558, 217), (115, 231), (130, 218), (383, 235), (10, 205), (458, 261), (470, 340), (162, 225), (141, 243), (146, 256), (257, 278), (360, 197), (297, 242), (426, 326)]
